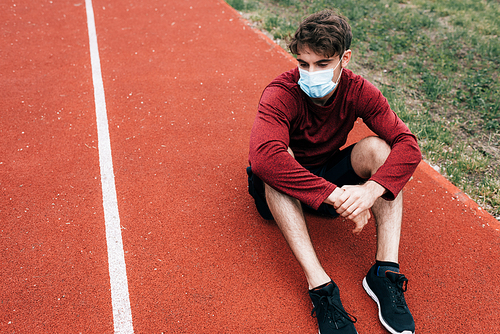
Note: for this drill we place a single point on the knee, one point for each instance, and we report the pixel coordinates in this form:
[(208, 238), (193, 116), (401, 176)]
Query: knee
[(368, 155), (377, 148)]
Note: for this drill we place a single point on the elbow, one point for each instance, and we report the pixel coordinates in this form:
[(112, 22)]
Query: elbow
[(413, 152), (257, 165)]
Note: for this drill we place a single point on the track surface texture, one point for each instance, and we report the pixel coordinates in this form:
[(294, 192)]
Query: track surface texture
[(182, 80)]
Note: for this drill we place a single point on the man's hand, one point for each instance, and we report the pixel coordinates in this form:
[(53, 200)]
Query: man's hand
[(354, 202), (356, 199), (361, 220)]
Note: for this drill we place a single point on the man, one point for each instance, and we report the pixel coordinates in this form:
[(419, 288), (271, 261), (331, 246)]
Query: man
[(303, 120)]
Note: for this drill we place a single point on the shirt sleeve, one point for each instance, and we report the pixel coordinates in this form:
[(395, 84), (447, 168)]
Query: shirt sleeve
[(269, 158), (405, 154)]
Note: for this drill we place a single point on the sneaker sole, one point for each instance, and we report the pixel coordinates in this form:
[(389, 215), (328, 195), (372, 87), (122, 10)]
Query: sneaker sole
[(319, 332), (374, 297)]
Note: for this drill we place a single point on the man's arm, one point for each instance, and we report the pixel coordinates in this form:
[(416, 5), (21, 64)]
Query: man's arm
[(373, 108), (354, 201)]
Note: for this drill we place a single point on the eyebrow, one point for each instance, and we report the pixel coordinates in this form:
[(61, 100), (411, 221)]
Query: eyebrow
[(326, 60)]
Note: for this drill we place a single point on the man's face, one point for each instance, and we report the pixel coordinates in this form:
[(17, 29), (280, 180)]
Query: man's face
[(310, 61)]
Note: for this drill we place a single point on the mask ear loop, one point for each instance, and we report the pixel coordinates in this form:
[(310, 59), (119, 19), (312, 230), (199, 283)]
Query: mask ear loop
[(340, 76), (341, 67)]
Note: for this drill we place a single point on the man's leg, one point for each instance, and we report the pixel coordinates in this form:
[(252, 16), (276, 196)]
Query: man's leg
[(388, 215), (384, 283), (287, 213)]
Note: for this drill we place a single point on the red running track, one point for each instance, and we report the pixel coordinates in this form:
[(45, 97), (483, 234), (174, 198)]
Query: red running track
[(182, 80)]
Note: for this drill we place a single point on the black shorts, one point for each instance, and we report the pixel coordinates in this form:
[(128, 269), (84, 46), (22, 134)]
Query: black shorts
[(338, 170)]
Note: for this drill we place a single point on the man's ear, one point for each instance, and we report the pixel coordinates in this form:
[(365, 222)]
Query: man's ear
[(346, 58)]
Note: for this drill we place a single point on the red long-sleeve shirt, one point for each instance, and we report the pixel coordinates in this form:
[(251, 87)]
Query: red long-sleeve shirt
[(286, 117)]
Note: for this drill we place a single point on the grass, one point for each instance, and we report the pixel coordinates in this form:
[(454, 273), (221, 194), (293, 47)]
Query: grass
[(437, 62)]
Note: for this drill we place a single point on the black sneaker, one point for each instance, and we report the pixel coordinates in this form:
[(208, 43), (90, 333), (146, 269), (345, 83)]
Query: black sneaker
[(332, 318), (388, 293)]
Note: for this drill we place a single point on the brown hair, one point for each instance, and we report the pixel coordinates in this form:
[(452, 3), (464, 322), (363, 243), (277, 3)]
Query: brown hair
[(325, 32)]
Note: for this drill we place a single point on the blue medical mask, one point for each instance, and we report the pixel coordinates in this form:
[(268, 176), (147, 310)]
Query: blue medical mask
[(318, 84)]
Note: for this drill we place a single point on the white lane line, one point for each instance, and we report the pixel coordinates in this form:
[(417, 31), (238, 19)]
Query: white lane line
[(122, 314)]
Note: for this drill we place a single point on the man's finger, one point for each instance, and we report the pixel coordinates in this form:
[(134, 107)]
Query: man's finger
[(358, 228), (346, 201)]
